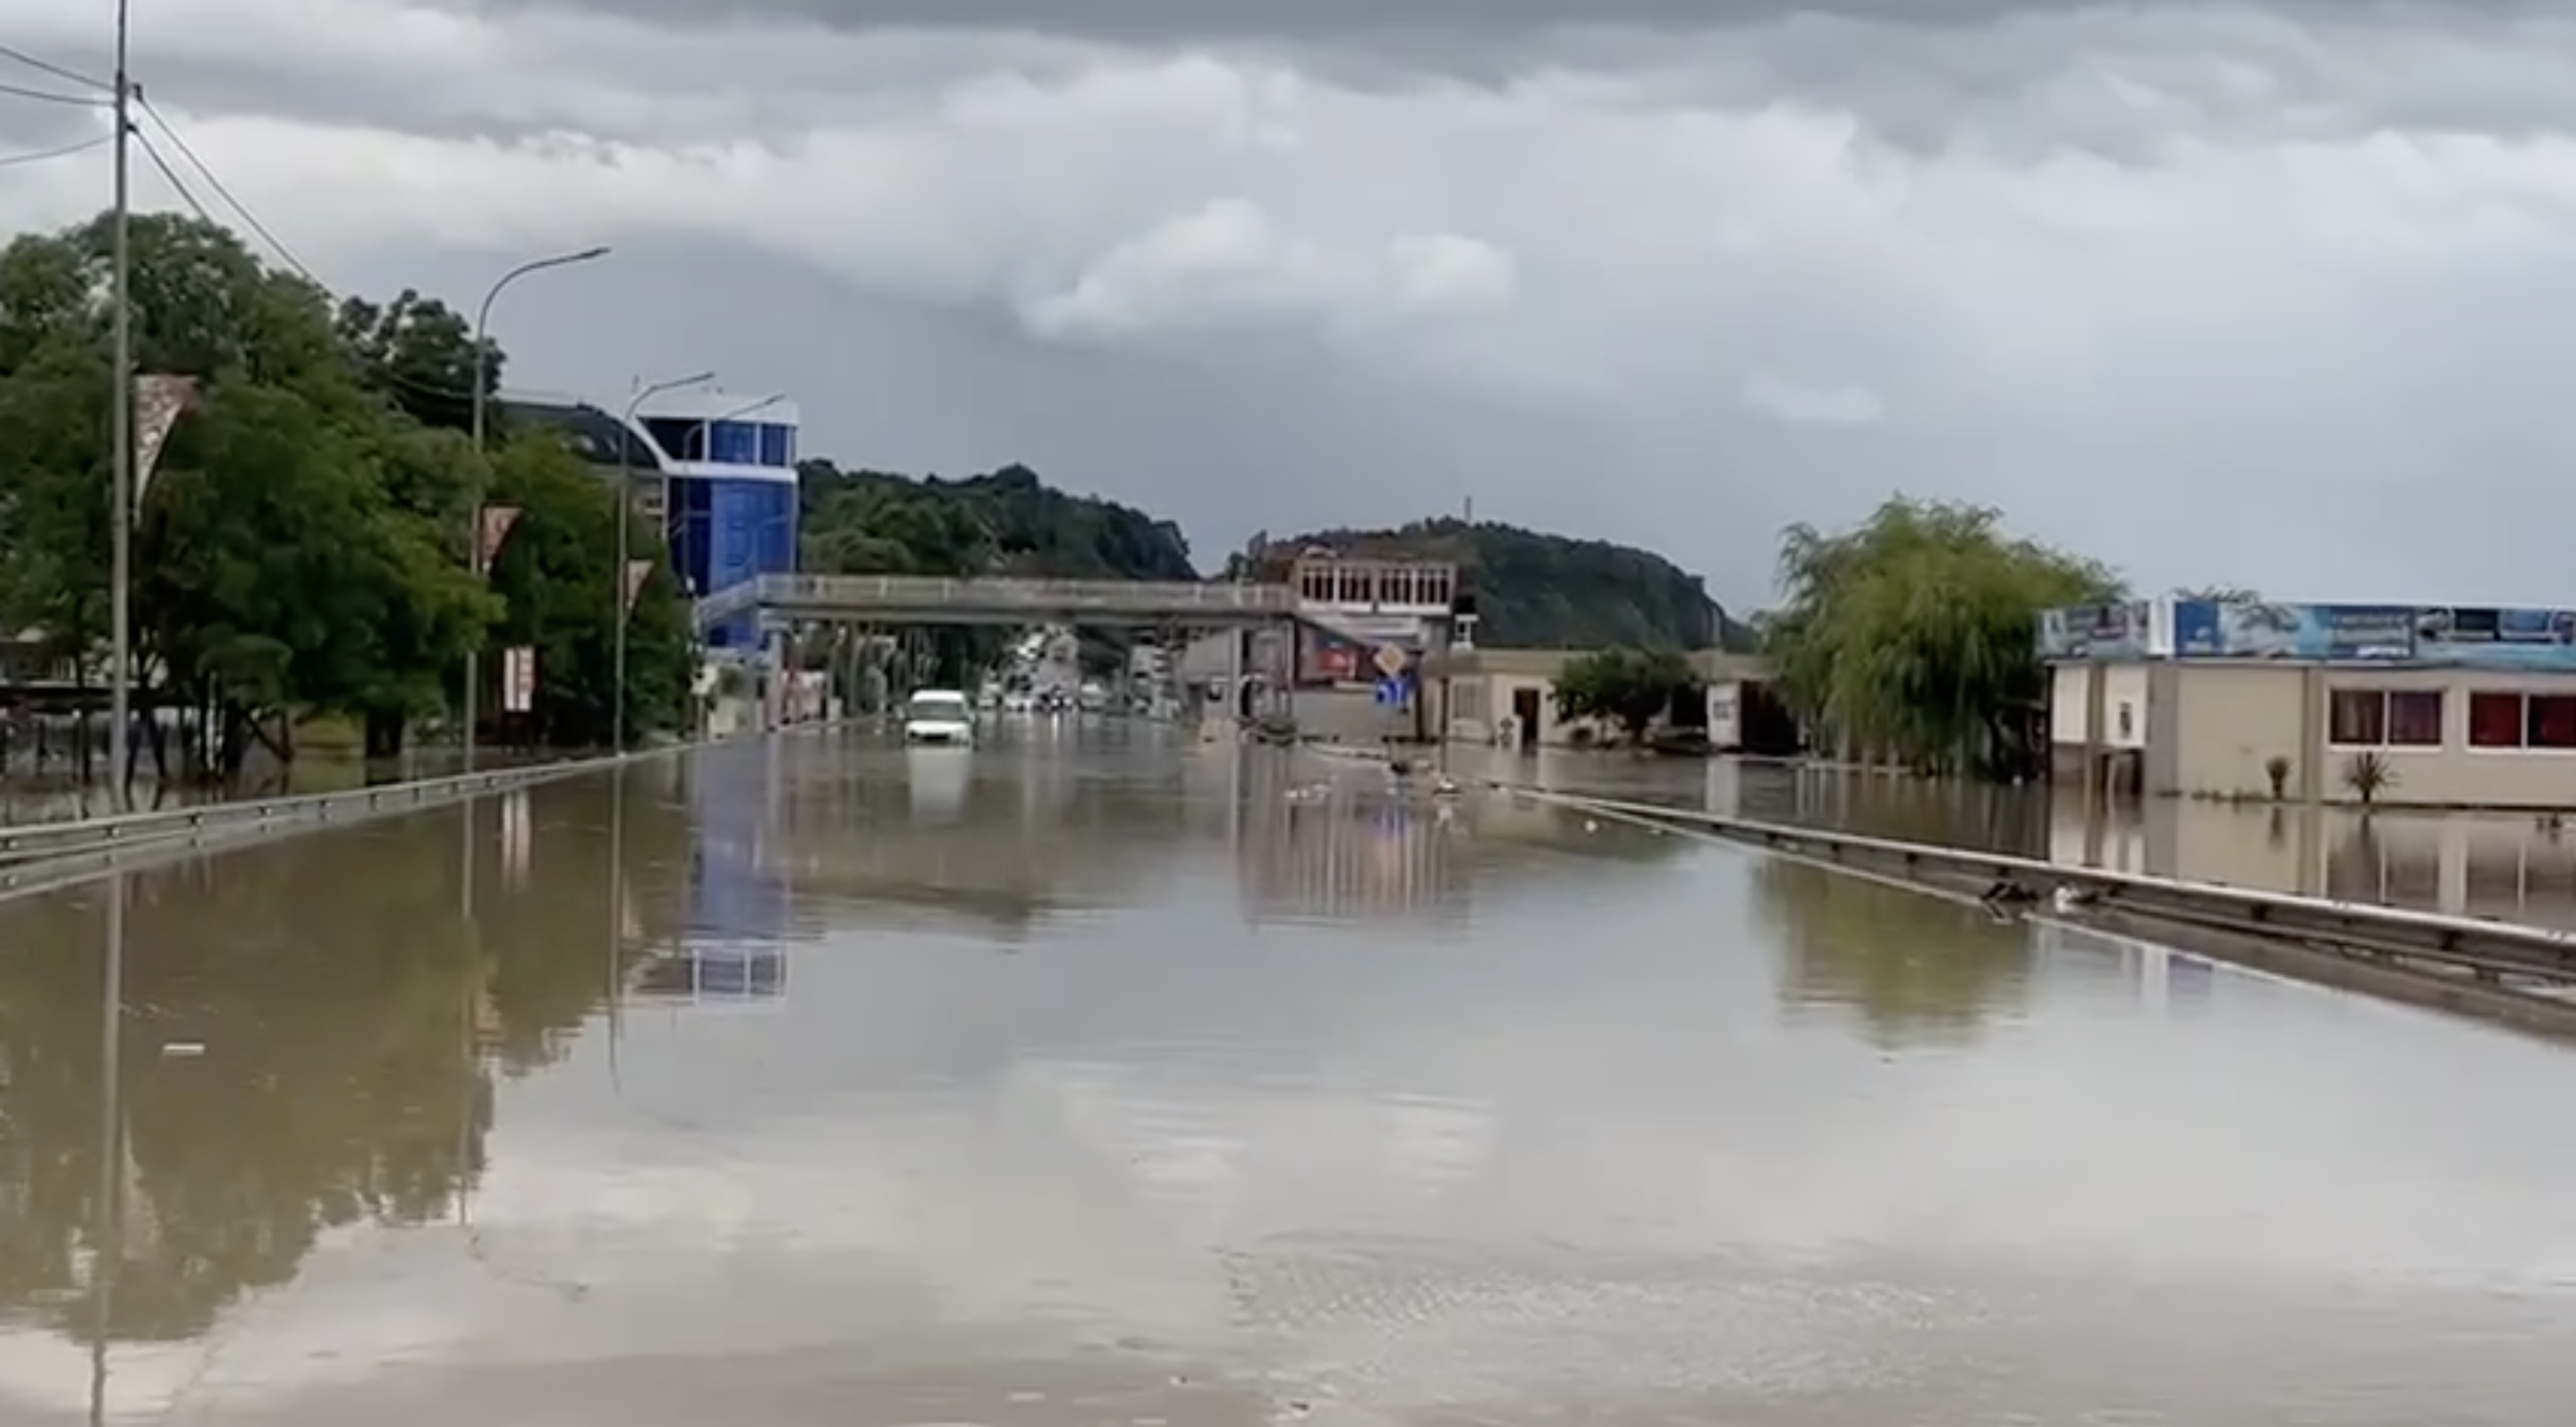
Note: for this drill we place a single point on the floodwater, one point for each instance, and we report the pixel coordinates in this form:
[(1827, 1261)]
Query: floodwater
[(57, 793), (2505, 866), (1086, 1079)]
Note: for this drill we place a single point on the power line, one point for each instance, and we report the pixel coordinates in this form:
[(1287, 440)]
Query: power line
[(86, 101), (66, 151), (152, 151), (249, 219), (57, 71)]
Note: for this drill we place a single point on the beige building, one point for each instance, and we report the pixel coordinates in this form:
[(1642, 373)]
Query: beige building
[(1491, 692), (2208, 705)]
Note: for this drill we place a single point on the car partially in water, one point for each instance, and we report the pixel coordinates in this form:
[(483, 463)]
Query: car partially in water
[(939, 716)]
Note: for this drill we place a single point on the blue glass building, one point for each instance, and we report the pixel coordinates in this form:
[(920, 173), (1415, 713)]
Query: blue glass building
[(718, 468)]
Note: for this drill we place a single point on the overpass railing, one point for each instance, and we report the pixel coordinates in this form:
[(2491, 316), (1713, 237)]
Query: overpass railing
[(861, 593)]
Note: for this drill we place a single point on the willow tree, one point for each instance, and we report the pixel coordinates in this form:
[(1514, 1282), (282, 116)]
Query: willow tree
[(1912, 634)]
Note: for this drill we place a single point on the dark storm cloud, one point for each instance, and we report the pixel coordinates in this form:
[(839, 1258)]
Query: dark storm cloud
[(2023, 78), (1359, 19)]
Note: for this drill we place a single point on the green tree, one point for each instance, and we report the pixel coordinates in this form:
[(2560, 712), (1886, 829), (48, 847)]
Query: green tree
[(557, 578), (1630, 688), (1913, 634), (418, 353), (1006, 523), (300, 545)]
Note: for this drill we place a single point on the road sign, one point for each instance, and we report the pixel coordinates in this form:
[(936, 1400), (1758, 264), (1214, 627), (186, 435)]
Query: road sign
[(1391, 660), (518, 680)]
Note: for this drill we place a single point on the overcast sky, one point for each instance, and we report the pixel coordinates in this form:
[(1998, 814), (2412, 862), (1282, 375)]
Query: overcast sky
[(2273, 296)]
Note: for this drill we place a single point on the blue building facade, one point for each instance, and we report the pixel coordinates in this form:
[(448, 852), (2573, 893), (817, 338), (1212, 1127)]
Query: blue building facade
[(719, 467), (730, 503)]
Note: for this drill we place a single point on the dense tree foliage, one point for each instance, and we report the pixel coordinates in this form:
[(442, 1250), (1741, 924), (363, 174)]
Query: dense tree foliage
[(1625, 688), (301, 547), (1912, 635), (1538, 591), (1006, 523)]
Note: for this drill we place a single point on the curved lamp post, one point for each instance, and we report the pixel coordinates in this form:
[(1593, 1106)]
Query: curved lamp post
[(625, 538), (474, 507)]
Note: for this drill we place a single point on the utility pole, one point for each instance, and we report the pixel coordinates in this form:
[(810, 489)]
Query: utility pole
[(120, 697)]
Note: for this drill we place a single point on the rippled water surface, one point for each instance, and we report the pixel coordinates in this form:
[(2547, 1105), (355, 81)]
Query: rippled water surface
[(1093, 1079)]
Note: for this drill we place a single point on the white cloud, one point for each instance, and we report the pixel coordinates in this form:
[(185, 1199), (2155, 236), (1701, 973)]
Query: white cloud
[(2261, 263)]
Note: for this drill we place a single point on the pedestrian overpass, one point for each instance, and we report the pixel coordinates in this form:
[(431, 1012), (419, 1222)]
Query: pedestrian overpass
[(783, 601)]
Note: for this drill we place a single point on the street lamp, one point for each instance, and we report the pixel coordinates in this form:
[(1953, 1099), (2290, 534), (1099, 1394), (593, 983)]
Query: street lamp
[(474, 507), (626, 518)]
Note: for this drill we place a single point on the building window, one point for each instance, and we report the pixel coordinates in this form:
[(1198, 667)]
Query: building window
[(2513, 720), (2384, 718)]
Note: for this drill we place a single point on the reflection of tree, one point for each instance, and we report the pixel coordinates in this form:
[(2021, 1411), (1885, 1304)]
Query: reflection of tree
[(336, 991), (545, 929), (1994, 817), (1915, 967)]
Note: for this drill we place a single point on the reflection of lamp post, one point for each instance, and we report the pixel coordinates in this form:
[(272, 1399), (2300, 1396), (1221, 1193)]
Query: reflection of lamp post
[(474, 507), (616, 920), (109, 1235), (626, 518)]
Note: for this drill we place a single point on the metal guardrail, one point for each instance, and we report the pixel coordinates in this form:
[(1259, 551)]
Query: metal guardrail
[(2490, 949), (37, 842), (855, 594), (135, 845), (46, 842)]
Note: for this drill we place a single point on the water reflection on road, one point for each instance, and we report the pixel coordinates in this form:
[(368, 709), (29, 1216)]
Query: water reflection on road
[(2508, 866), (1084, 1079)]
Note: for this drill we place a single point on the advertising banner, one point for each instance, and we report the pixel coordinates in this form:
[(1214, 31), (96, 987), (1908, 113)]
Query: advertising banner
[(2489, 638), (2206, 629), (2462, 636), (2103, 631), (1327, 659), (494, 531), (518, 680), (159, 401)]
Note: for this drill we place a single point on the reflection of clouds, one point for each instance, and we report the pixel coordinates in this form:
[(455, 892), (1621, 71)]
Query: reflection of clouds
[(1574, 1152)]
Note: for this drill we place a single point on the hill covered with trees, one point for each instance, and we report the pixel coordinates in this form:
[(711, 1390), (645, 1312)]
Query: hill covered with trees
[(1007, 522), (1535, 590)]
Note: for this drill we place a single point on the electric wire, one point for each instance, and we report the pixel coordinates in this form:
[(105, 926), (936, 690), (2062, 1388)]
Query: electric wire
[(47, 96), (62, 151), (232, 202), (47, 66)]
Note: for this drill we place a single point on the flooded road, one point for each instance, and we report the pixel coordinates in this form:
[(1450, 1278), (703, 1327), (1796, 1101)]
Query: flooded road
[(1094, 1080), (2507, 866)]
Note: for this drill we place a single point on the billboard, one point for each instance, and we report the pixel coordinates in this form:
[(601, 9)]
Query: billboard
[(2465, 636), (1327, 659), (2098, 631)]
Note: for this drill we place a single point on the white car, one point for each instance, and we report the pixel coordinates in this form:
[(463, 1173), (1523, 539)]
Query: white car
[(938, 716)]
